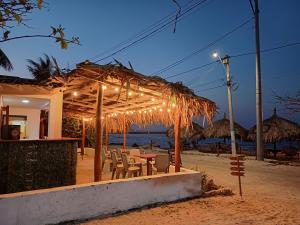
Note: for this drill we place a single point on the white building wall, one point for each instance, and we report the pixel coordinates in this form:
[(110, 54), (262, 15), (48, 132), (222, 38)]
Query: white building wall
[(55, 116), (84, 201), (33, 120)]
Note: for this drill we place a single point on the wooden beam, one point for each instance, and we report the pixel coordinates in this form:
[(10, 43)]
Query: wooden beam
[(106, 134), (153, 92), (177, 126), (82, 137), (124, 133), (99, 136)]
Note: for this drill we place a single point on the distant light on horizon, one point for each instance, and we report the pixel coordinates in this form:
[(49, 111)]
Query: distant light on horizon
[(25, 101)]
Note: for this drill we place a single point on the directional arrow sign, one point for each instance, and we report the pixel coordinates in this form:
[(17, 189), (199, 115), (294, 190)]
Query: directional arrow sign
[(237, 173), (237, 163), (237, 168)]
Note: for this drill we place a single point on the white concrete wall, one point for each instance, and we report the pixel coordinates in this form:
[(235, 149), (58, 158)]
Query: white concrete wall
[(96, 199), (55, 116), (33, 120)]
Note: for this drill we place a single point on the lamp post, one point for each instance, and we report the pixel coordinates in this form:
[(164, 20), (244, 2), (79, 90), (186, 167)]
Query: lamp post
[(225, 62)]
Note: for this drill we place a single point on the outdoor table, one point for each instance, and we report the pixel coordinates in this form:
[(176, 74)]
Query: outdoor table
[(149, 158)]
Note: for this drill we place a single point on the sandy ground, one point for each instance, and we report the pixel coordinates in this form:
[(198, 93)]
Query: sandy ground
[(271, 196)]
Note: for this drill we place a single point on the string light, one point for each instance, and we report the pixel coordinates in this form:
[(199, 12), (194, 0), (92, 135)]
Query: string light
[(130, 93), (152, 99), (140, 111), (173, 105), (142, 94), (75, 93), (164, 103), (169, 110), (145, 111), (116, 89), (160, 110), (150, 110), (104, 87)]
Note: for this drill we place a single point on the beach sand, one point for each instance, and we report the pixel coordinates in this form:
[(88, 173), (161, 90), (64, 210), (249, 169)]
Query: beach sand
[(271, 195)]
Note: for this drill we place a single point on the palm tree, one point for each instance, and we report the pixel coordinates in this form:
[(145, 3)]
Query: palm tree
[(4, 61), (43, 68)]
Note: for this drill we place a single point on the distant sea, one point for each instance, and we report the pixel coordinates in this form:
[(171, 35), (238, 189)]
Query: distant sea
[(162, 140)]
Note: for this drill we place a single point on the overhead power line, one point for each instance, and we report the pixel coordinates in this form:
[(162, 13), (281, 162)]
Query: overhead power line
[(155, 31), (190, 70), (203, 48), (139, 34), (212, 88), (235, 56), (267, 50)]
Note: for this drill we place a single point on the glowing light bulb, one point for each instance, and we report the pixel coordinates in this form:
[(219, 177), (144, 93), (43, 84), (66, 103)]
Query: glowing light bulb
[(75, 93), (116, 89), (152, 99), (160, 110), (104, 87), (173, 105), (130, 93), (142, 94), (164, 103), (169, 110), (215, 55)]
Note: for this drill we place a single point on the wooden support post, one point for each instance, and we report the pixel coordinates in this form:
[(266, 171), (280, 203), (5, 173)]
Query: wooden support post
[(1, 121), (7, 120), (98, 136), (124, 133), (177, 140), (82, 137), (106, 135)]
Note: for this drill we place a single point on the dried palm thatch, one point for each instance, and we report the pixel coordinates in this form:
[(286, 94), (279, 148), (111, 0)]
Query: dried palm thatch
[(141, 99), (187, 134), (276, 129), (221, 129)]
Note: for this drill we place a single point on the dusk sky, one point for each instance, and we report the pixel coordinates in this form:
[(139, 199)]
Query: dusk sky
[(101, 25)]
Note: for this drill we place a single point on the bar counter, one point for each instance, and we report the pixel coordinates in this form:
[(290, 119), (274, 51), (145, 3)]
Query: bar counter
[(35, 164)]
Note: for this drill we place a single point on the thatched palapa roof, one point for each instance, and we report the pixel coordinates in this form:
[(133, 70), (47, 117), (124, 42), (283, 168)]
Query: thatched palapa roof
[(142, 99), (276, 129), (221, 129), (194, 131)]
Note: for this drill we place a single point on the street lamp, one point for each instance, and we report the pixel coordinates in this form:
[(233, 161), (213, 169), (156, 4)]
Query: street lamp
[(225, 62)]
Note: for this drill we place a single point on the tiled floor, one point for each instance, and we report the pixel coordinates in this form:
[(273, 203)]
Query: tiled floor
[(85, 168)]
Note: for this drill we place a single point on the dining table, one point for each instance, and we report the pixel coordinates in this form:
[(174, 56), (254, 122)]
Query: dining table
[(149, 157)]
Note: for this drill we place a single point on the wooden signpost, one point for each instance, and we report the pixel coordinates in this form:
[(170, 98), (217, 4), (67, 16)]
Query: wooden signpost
[(238, 168)]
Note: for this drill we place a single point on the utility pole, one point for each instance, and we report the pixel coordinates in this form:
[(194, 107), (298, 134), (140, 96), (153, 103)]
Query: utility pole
[(225, 61), (259, 113)]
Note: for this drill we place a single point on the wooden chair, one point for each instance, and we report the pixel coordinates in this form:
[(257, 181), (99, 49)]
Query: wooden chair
[(117, 168), (171, 153), (130, 169), (161, 165), (106, 158)]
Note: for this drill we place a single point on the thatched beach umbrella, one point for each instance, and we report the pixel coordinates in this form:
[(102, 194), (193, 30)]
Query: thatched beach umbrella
[(276, 129), (186, 134), (221, 129)]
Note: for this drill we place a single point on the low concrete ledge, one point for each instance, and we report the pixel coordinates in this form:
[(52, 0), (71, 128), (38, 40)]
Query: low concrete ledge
[(84, 201)]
